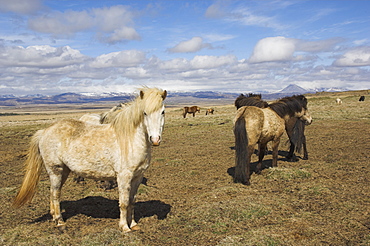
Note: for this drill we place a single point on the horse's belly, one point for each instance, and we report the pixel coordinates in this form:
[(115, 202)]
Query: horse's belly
[(92, 162)]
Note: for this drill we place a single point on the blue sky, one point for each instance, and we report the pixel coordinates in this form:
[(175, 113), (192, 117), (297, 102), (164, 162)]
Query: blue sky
[(51, 47)]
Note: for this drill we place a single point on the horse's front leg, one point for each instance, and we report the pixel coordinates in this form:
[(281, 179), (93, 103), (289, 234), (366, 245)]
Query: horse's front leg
[(291, 157), (305, 152), (124, 189), (275, 150), (135, 183)]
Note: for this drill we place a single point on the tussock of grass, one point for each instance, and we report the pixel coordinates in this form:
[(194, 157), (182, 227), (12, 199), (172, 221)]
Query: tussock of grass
[(287, 173)]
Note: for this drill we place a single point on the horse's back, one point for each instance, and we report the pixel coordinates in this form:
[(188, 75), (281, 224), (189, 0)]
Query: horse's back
[(261, 123), (86, 149), (274, 125)]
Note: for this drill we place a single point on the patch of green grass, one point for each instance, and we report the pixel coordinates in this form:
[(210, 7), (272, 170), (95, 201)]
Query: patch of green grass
[(287, 174)]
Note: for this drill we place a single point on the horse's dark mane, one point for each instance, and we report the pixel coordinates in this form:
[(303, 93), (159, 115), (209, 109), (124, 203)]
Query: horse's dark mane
[(289, 105), (251, 100)]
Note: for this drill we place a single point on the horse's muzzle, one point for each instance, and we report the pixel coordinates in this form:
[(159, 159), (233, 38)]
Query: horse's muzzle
[(155, 140)]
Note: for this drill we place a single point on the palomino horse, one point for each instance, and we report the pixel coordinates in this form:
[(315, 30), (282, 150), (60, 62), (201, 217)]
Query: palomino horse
[(294, 128), (254, 125), (120, 150), (190, 110), (210, 111)]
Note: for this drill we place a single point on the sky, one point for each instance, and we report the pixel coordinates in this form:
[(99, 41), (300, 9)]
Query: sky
[(53, 47)]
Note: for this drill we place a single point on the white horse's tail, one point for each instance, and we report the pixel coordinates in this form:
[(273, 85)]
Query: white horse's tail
[(33, 167)]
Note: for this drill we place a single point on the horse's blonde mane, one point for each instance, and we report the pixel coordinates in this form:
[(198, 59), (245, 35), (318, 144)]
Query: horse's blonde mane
[(130, 117)]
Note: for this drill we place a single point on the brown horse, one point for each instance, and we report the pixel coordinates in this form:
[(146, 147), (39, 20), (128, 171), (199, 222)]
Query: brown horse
[(294, 128), (190, 110), (210, 111), (254, 125)]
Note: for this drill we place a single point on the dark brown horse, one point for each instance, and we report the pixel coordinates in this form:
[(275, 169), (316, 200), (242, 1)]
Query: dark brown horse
[(190, 110), (294, 128), (254, 125), (250, 100), (209, 111)]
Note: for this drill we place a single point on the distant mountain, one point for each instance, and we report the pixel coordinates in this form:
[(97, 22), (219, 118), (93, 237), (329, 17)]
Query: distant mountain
[(295, 89), (70, 98)]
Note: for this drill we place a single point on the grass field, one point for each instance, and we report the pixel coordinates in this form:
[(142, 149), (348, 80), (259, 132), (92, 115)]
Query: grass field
[(189, 197)]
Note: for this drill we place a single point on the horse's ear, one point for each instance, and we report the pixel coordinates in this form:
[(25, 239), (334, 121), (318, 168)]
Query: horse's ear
[(164, 95), (141, 94)]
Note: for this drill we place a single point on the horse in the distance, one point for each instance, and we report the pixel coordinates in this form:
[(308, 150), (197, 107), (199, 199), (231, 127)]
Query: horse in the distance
[(294, 127), (210, 111), (254, 125), (190, 110), (338, 101), (362, 98), (120, 150)]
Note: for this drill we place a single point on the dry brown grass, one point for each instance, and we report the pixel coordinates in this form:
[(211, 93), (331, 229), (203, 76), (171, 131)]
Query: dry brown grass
[(189, 197)]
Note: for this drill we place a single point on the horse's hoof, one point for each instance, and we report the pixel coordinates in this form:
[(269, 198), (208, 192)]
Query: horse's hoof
[(135, 228), (61, 228)]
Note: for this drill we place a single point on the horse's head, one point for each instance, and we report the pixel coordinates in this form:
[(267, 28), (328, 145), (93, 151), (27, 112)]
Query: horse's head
[(154, 116), (305, 116)]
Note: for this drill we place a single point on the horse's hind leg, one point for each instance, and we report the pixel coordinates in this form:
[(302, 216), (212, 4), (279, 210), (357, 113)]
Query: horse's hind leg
[(261, 153), (58, 175), (275, 150)]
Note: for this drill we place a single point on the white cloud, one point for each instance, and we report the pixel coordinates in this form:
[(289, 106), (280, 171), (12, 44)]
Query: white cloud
[(273, 49), (114, 24), (209, 62), (126, 58), (40, 56), (216, 10), (354, 58), (190, 46), (59, 23), (21, 6)]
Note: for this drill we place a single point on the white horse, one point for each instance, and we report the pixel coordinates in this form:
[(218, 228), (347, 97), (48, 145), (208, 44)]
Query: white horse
[(120, 150), (338, 101)]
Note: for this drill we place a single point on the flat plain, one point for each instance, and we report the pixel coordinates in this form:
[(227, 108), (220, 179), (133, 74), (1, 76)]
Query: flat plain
[(189, 198)]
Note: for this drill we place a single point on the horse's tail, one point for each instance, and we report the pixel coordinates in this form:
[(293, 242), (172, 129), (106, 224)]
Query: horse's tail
[(241, 152), (297, 138), (33, 167)]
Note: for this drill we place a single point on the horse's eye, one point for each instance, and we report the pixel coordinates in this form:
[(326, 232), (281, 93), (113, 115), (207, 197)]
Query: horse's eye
[(145, 114), (163, 112)]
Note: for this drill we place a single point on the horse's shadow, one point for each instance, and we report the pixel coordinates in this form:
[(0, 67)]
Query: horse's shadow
[(265, 163), (100, 207)]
